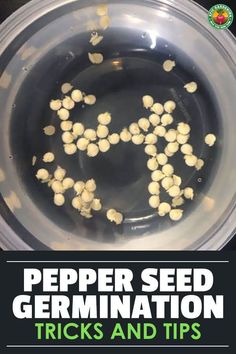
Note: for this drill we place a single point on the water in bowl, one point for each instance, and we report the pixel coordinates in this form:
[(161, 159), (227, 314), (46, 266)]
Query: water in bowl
[(132, 68)]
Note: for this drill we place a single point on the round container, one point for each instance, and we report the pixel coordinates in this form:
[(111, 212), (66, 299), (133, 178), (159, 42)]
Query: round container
[(45, 44)]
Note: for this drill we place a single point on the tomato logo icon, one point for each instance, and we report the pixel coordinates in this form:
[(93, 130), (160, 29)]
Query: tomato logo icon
[(220, 16)]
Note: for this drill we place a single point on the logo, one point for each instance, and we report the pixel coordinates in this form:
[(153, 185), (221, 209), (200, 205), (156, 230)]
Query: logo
[(220, 16)]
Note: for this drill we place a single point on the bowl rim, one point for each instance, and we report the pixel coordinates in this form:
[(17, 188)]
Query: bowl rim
[(34, 9)]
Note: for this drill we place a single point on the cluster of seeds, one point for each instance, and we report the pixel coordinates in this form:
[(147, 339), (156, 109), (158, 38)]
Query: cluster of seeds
[(76, 137), (95, 141), (56, 182), (96, 38), (84, 200), (158, 126), (103, 14), (163, 173), (147, 132), (74, 134), (64, 106)]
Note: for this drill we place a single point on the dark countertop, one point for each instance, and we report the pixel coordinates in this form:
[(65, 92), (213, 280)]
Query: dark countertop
[(7, 7)]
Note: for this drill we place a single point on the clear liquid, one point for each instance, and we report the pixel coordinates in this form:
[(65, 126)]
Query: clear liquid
[(127, 74)]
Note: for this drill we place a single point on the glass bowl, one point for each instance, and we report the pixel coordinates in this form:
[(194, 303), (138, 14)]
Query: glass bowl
[(45, 44)]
